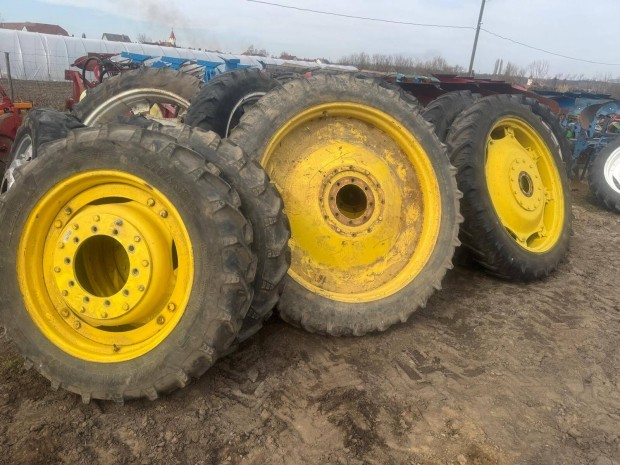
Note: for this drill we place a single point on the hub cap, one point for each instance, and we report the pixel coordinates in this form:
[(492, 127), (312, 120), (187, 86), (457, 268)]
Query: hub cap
[(524, 185), (105, 266)]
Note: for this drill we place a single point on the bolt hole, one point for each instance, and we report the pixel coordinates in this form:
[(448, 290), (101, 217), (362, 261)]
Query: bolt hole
[(106, 303), (135, 272), (67, 260), (76, 239), (125, 292), (115, 232), (71, 283), (94, 229), (131, 248), (85, 299)]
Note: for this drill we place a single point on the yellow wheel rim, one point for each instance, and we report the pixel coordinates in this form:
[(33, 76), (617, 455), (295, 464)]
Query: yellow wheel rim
[(524, 184), (362, 197), (105, 266)]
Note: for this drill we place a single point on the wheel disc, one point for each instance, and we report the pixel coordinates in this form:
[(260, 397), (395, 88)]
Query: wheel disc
[(362, 198), (142, 101), (524, 185), (105, 266), (611, 170)]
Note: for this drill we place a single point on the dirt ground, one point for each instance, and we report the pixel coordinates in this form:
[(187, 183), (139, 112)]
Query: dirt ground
[(488, 373), (45, 94)]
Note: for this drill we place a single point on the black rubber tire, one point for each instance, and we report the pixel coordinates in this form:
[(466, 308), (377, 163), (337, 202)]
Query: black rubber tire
[(482, 232), (176, 82), (224, 266), (212, 108), (317, 313), (603, 192), (39, 126), (442, 111), (261, 205)]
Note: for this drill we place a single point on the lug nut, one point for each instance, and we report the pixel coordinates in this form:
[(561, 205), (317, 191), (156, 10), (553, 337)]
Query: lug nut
[(118, 222), (76, 226), (150, 202), (115, 348), (68, 211), (172, 307), (163, 214), (65, 293), (160, 320), (58, 224), (136, 239), (145, 263), (77, 325), (125, 306), (96, 218), (104, 315), (61, 245), (64, 312), (57, 269), (141, 288)]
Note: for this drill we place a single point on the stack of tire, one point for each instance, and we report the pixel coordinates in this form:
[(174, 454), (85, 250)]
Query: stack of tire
[(143, 249)]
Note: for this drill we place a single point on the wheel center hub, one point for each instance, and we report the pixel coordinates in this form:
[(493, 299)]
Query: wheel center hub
[(526, 184), (351, 200), (102, 266)]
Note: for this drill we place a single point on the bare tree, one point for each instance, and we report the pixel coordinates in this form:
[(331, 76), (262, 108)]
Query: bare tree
[(538, 69), (142, 38), (255, 51), (513, 70)]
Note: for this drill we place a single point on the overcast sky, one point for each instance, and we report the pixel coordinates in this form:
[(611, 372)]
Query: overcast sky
[(575, 28)]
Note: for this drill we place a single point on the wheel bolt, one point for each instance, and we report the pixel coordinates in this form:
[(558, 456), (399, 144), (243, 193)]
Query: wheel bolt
[(119, 222), (163, 214), (150, 202), (104, 315), (64, 312), (61, 245), (57, 269), (115, 348), (136, 239), (141, 288), (83, 310), (172, 307), (76, 226), (96, 218), (160, 320), (77, 325), (68, 211), (65, 293), (125, 306), (58, 224), (145, 263)]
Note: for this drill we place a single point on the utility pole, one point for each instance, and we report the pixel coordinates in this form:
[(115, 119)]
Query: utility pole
[(473, 51)]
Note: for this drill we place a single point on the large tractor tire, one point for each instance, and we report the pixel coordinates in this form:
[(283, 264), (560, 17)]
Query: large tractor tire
[(261, 205), (39, 126), (143, 91), (223, 100), (370, 195), (442, 111), (128, 268), (604, 176), (515, 190)]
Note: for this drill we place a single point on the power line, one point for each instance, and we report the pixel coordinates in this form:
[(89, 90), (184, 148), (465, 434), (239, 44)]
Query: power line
[(448, 26), (547, 51)]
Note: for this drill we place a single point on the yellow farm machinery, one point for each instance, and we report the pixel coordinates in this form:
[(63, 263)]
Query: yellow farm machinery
[(162, 221)]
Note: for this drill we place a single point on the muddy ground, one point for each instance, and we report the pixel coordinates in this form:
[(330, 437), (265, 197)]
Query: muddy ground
[(488, 373)]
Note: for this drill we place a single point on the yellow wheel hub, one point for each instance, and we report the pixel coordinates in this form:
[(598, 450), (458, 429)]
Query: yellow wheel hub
[(362, 198), (524, 184), (105, 266)]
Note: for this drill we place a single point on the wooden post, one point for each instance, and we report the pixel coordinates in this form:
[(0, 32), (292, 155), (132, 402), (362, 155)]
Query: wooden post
[(8, 73)]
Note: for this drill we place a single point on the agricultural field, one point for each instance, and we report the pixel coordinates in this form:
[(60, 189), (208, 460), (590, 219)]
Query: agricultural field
[(488, 372)]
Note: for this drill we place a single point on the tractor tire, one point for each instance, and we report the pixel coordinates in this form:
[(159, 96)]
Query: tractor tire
[(370, 195), (442, 111), (222, 101), (134, 92), (604, 176), (515, 191), (261, 205), (40, 126), (128, 270)]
